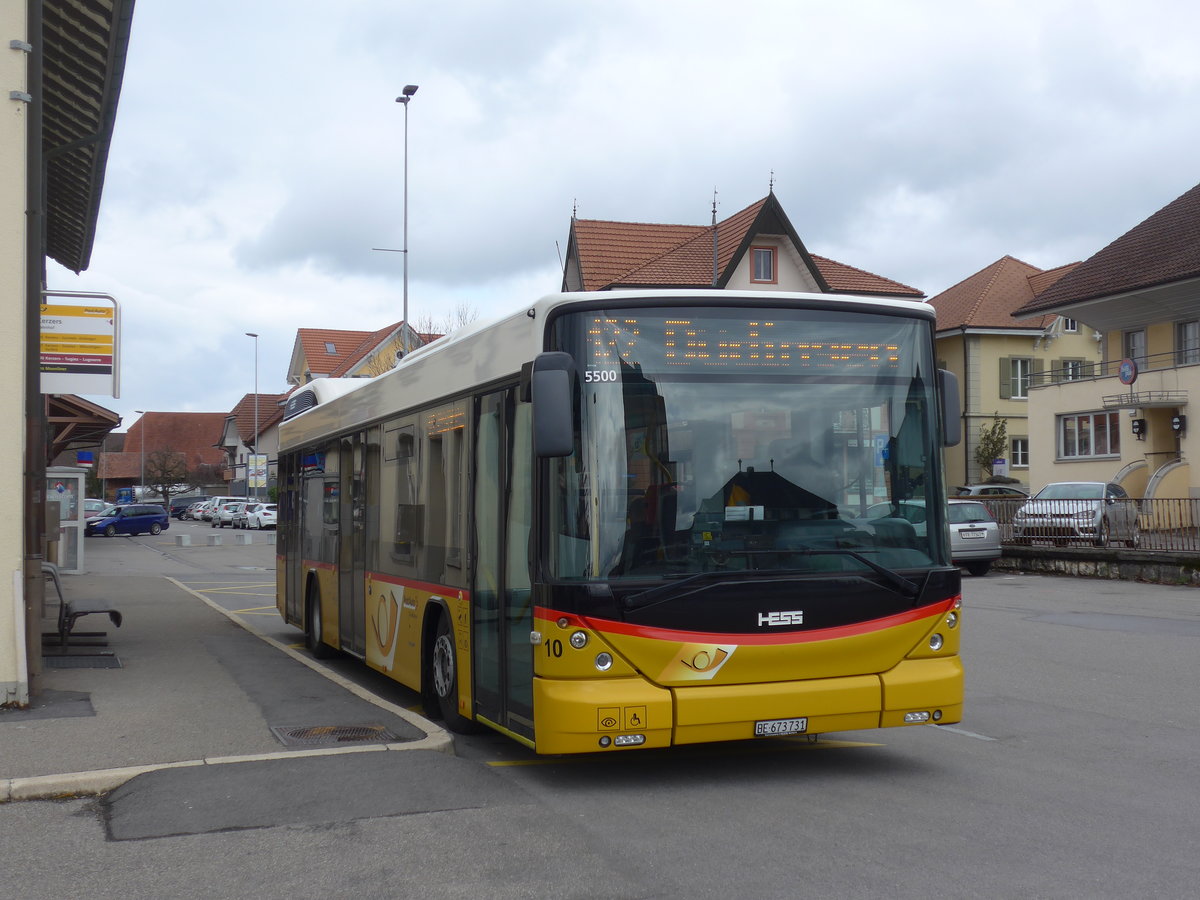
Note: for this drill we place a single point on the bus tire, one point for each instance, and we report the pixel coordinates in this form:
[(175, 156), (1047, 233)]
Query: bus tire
[(313, 625), (443, 680)]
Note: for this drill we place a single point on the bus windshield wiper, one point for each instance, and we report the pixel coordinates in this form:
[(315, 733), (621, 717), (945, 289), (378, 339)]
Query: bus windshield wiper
[(909, 589), (672, 588)]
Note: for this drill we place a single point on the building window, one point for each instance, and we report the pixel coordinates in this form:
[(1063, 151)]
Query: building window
[(1187, 343), (1072, 369), (1134, 344), (1020, 453), (762, 261), (1069, 326), (330, 349), (1089, 435), (1019, 378)]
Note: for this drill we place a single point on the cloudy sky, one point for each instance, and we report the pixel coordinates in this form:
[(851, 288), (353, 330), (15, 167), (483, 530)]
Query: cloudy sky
[(259, 151)]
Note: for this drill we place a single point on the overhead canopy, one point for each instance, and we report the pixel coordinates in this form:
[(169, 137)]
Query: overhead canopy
[(83, 61), (75, 424)]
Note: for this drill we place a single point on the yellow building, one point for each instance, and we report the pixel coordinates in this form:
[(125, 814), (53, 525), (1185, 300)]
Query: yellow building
[(997, 358), (1127, 421)]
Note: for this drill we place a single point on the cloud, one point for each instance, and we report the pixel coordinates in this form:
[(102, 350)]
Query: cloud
[(254, 168)]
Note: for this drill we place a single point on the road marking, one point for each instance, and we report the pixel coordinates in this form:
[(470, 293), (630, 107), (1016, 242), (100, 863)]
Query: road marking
[(963, 732)]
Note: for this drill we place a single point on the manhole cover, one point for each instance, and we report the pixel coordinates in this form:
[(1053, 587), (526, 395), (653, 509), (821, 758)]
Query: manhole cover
[(81, 662), (332, 735)]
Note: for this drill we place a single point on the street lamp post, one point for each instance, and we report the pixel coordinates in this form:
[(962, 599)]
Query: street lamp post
[(255, 456), (406, 95), (142, 429)]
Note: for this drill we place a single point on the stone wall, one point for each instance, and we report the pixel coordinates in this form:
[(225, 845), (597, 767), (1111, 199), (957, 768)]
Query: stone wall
[(1152, 567)]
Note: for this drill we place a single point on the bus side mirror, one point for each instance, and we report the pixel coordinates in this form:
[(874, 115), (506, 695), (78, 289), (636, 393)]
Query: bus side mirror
[(951, 408), (550, 388)]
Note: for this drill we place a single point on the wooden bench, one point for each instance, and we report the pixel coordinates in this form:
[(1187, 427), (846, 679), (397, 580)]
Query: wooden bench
[(71, 611)]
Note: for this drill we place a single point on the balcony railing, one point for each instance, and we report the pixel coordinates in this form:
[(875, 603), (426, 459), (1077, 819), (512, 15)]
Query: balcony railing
[(1153, 524), (1083, 370)]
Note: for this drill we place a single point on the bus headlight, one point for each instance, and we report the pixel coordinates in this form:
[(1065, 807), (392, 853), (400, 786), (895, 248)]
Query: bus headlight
[(952, 620), (936, 642), (604, 661), (579, 639)]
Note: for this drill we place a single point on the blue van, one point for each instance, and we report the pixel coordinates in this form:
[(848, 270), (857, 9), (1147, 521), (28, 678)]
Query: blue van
[(136, 518)]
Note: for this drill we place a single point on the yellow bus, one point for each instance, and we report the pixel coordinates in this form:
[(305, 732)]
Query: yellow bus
[(638, 519)]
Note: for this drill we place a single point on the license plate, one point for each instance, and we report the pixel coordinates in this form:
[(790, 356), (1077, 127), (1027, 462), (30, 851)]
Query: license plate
[(968, 535), (776, 727)]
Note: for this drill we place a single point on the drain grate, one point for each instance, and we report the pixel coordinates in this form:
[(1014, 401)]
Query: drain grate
[(332, 735), (81, 662)]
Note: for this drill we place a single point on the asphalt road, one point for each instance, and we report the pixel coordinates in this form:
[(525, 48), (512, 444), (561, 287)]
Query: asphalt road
[(1074, 774)]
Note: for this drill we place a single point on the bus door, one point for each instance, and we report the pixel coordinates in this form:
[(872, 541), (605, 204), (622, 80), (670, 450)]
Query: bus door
[(352, 546), (288, 538), (502, 612)]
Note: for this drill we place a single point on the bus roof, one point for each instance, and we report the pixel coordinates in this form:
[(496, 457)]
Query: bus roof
[(490, 350)]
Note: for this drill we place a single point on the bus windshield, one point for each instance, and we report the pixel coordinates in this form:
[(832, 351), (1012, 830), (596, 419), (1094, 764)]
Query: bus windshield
[(747, 439)]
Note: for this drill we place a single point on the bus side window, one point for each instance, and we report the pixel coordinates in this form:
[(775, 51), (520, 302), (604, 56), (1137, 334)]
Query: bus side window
[(442, 432), (409, 516)]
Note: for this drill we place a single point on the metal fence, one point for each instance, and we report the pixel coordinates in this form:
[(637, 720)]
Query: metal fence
[(1155, 524)]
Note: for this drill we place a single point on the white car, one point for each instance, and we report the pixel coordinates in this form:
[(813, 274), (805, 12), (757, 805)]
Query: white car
[(262, 516), (223, 513)]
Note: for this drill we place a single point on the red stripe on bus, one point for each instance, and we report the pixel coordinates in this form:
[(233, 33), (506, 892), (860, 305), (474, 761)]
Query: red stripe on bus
[(786, 637), (440, 589)]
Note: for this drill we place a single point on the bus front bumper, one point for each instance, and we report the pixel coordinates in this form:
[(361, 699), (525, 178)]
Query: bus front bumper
[(588, 716)]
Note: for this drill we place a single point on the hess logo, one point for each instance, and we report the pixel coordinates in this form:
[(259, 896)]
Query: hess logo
[(783, 617)]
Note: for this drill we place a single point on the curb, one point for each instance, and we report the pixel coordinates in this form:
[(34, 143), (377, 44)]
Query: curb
[(101, 781)]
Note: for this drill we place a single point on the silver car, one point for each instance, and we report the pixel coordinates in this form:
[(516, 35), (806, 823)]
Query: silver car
[(1093, 511), (974, 534)]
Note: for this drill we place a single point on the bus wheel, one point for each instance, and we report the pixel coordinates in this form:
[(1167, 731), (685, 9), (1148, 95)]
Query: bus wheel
[(312, 631), (443, 678)]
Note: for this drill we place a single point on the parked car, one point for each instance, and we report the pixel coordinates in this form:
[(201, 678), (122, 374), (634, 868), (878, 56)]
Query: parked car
[(92, 506), (222, 513), (180, 505), (135, 518), (206, 511), (102, 511), (239, 517), (974, 533), (1092, 511), (974, 536), (193, 511), (262, 516)]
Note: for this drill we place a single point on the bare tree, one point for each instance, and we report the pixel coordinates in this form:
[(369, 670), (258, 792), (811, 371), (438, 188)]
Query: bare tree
[(167, 474), (993, 443), (462, 314)]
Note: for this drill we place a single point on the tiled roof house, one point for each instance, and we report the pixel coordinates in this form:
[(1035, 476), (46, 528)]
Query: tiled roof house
[(193, 434), (1143, 292), (756, 248), (330, 353), (995, 356)]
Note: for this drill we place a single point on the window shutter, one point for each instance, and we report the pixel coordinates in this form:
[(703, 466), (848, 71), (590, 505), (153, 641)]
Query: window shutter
[(1037, 368), (1005, 377), (1056, 370)]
